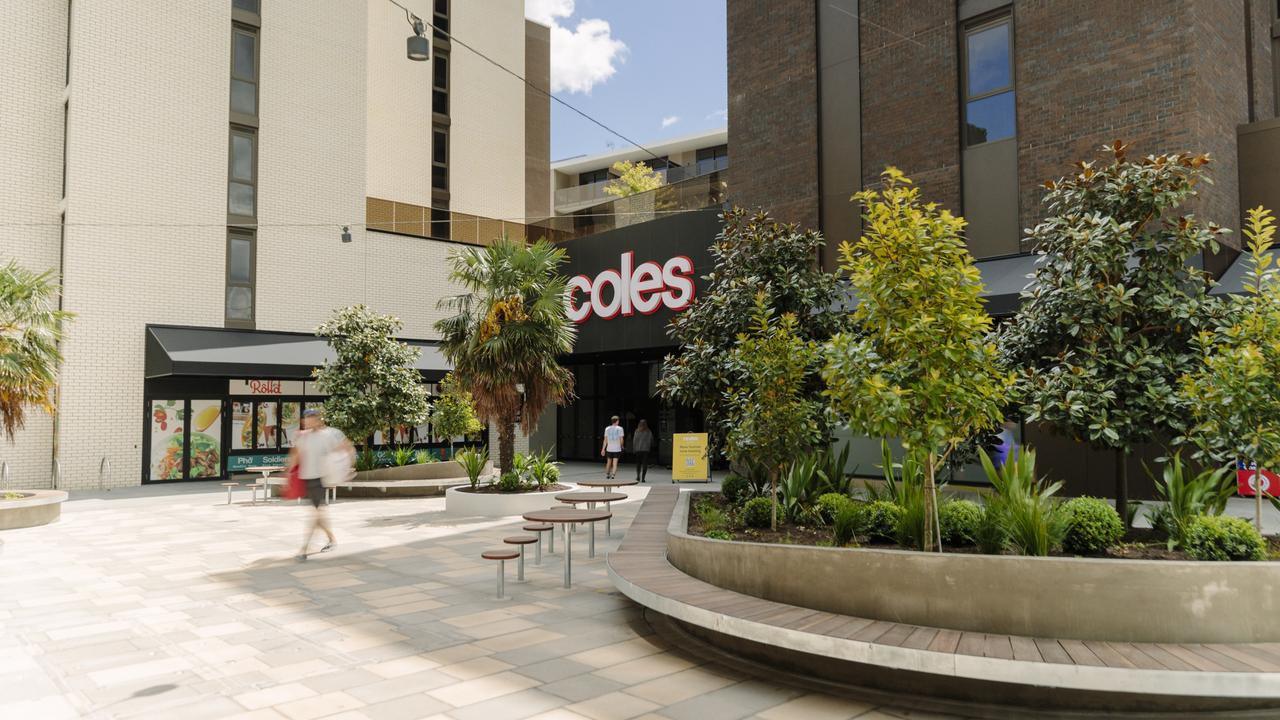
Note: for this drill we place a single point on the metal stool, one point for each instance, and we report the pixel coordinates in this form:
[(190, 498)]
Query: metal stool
[(540, 528), (259, 485), (520, 540), (230, 486), (502, 556)]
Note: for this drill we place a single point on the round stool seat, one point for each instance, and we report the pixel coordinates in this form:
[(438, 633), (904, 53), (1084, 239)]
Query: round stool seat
[(231, 484), (520, 540), (500, 554), (539, 527)]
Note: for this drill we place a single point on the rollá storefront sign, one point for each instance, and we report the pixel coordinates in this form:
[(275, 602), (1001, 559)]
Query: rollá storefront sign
[(643, 289)]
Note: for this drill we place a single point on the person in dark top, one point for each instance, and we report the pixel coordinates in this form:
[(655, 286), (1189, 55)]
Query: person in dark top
[(642, 441)]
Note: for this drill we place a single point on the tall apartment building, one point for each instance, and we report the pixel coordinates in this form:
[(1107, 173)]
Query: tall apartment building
[(211, 180), (981, 101)]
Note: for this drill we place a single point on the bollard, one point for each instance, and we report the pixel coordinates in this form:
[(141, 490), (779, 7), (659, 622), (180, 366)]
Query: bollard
[(57, 474), (104, 469), (4, 476)]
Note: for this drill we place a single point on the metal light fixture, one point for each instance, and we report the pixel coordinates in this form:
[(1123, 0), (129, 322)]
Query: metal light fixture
[(346, 234), (418, 47)]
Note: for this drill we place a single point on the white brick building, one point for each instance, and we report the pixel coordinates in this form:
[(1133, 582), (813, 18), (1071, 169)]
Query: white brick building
[(156, 118)]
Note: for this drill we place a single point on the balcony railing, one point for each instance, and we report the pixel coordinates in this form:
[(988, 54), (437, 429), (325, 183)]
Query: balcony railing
[(572, 199), (700, 191)]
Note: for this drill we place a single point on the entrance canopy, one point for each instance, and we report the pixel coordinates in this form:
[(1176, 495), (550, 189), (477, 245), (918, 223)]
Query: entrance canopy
[(229, 353)]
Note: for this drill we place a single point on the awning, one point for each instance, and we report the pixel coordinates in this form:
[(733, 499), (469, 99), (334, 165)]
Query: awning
[(1232, 281), (1003, 280), (223, 352)]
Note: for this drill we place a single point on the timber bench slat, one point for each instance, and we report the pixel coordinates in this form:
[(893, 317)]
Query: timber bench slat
[(641, 559)]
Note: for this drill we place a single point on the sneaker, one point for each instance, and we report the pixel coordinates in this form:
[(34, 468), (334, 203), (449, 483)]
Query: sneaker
[(328, 547)]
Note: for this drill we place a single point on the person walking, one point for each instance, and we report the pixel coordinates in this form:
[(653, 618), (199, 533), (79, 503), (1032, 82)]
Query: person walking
[(611, 448), (642, 442), (313, 454)]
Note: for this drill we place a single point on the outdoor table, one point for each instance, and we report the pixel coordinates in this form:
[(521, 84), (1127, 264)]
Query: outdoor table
[(266, 471), (591, 498), (615, 483), (566, 516)]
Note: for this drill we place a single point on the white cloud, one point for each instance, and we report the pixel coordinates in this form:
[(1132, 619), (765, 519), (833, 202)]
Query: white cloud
[(583, 57), (722, 115), (670, 120)]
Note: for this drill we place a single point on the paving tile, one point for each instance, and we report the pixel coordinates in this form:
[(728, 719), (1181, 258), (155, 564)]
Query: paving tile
[(582, 687), (552, 670), (473, 691), (634, 672), (478, 667), (318, 706), (275, 695), (614, 706), (816, 707), (516, 706), (680, 686)]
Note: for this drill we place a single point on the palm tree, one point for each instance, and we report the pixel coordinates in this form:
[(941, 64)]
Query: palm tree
[(30, 331), (507, 332)]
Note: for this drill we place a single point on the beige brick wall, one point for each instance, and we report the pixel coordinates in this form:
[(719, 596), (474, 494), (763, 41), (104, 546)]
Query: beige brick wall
[(34, 36), (399, 107), (486, 109)]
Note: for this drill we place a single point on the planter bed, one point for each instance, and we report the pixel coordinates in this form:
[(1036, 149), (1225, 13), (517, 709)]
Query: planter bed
[(1169, 601), (35, 507), (460, 500)]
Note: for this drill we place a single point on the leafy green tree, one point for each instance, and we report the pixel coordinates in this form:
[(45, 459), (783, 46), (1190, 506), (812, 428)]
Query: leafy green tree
[(753, 254), (1107, 329), (31, 329), (1234, 395), (918, 365), (372, 383), (506, 334), (771, 416), (453, 413), (633, 178)]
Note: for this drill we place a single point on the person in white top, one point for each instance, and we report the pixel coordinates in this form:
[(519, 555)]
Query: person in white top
[(611, 448), (311, 454)]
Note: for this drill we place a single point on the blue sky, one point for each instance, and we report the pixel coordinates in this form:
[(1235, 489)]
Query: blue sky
[(650, 70)]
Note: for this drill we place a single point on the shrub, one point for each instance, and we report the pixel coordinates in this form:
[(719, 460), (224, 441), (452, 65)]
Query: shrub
[(542, 470), (991, 536), (712, 517), (1093, 525), (366, 460), (425, 456), (735, 489), (830, 504), (473, 462), (882, 519), (910, 529), (1031, 518), (1223, 537), (961, 522), (510, 482), (1187, 498), (850, 520), (719, 535), (757, 512)]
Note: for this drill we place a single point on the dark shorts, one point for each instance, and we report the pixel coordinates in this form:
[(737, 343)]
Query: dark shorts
[(315, 491), (613, 455)]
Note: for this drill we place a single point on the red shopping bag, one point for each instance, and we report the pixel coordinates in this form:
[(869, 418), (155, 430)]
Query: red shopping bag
[(295, 487)]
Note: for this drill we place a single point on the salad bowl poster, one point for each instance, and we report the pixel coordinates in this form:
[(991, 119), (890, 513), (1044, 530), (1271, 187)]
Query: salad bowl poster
[(172, 421)]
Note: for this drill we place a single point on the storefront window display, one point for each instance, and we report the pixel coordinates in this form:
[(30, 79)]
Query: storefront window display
[(182, 450)]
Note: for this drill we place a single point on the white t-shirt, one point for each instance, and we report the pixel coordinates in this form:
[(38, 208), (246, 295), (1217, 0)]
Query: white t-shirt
[(613, 438), (314, 447)]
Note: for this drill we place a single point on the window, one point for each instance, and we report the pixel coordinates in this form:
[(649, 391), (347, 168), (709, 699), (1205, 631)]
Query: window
[(440, 159), (712, 159), (440, 223), (440, 84), (240, 278), (242, 175), (244, 71), (246, 5), (593, 176), (440, 18), (989, 111)]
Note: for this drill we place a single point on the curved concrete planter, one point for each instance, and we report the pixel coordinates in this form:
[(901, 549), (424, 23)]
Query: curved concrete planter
[(1074, 598), (40, 508), (457, 501), (448, 469)]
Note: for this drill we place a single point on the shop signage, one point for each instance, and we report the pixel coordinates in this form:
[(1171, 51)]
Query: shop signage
[(272, 388), (241, 463), (1248, 478), (689, 457), (632, 289)]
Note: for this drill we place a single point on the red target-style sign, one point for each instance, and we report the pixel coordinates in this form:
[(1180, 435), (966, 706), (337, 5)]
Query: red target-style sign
[(1248, 478)]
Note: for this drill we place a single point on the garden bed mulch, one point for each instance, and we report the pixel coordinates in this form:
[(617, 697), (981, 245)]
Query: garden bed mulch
[(1137, 544), (493, 490)]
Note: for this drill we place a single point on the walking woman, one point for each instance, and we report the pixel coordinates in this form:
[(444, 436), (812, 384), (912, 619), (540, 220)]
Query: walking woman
[(642, 441), (312, 453)]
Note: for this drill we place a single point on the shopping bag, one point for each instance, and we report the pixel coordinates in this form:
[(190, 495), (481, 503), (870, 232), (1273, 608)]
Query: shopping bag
[(295, 487)]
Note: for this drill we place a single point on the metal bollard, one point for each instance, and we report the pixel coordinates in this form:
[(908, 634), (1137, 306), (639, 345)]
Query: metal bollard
[(104, 469), (4, 476), (57, 474)]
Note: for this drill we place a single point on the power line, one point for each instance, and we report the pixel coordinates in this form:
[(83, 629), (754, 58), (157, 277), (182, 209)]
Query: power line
[(524, 80)]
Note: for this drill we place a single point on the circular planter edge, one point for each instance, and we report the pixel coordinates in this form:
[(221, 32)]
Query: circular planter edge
[(42, 508), (459, 502)]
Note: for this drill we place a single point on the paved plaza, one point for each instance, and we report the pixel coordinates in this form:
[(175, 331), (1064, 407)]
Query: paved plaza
[(165, 602)]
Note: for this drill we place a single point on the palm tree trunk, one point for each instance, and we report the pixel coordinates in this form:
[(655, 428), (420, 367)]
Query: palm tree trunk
[(506, 446)]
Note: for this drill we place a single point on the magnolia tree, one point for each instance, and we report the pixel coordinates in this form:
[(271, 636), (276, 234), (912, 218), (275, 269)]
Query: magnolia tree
[(917, 364), (1107, 328), (633, 178), (753, 255), (453, 413), (31, 328), (771, 416), (1234, 395), (506, 334), (372, 383)]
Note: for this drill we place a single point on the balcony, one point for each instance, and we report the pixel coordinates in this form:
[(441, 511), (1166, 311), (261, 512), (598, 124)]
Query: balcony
[(697, 192), (573, 199)]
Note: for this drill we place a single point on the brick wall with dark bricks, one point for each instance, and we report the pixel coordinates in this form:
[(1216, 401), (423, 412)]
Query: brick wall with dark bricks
[(773, 108)]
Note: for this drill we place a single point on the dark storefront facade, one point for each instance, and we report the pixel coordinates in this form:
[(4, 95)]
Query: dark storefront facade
[(218, 401), (625, 287)]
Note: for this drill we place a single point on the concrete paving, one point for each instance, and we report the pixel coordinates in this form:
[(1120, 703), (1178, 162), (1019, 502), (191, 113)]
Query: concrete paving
[(165, 602)]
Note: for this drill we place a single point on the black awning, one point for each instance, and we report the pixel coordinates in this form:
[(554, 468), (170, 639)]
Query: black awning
[(1232, 281), (223, 352)]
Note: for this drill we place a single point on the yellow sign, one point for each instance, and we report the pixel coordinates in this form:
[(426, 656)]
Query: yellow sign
[(689, 457)]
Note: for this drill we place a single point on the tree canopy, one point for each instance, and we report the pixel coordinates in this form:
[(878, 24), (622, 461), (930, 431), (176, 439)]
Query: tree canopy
[(633, 178), (31, 329)]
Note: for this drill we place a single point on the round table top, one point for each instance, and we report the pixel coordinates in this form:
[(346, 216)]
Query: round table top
[(606, 483), (265, 468), (590, 497), (567, 515)]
